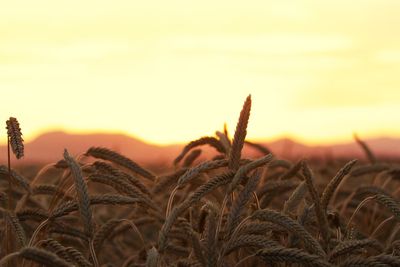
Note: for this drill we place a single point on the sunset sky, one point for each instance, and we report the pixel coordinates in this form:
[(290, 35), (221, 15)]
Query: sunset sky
[(173, 71)]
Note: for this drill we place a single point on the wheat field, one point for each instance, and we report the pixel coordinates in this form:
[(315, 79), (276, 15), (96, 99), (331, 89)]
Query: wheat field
[(103, 209)]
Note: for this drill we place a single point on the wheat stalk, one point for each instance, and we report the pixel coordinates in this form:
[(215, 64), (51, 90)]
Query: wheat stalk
[(292, 255), (349, 246), (37, 255), (333, 184), (250, 240), (105, 199), (295, 198), (290, 225), (69, 254), (15, 137), (191, 158), (240, 202), (152, 257), (370, 156), (82, 194), (242, 171), (105, 168), (240, 135), (264, 150), (321, 215), (107, 154), (207, 140), (13, 222)]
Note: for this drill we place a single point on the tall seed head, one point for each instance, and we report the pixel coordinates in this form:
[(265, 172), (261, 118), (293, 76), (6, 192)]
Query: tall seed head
[(15, 137)]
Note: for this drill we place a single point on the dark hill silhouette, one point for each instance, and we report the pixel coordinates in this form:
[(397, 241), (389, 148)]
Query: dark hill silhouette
[(49, 147)]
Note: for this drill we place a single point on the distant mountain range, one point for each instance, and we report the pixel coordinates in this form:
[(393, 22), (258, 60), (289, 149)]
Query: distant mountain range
[(49, 147)]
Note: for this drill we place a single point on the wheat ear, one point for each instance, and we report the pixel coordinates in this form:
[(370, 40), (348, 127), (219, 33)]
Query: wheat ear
[(152, 257), (69, 254), (15, 137), (206, 140), (82, 194), (191, 157), (264, 150), (240, 203), (16, 227), (349, 246), (37, 255), (370, 156), (321, 215), (240, 135), (292, 255), (295, 198), (290, 225), (107, 154), (333, 184)]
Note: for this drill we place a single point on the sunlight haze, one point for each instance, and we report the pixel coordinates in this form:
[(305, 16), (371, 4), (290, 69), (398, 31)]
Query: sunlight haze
[(173, 71)]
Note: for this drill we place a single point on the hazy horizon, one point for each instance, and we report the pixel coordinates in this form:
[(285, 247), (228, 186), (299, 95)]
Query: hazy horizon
[(150, 142)]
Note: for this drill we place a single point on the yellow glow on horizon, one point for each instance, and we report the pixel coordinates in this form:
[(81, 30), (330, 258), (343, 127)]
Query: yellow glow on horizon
[(172, 71)]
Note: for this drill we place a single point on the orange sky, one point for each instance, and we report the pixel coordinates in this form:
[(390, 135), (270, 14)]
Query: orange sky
[(172, 71)]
